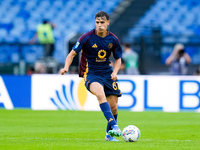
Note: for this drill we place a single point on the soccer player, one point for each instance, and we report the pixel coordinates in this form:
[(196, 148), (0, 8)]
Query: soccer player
[(99, 76)]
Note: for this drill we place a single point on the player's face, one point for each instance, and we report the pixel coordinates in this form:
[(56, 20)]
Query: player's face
[(101, 24)]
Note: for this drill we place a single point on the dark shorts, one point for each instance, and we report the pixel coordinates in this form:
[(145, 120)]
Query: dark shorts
[(110, 87)]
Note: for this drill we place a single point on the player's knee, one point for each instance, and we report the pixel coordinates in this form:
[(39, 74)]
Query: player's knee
[(113, 109), (100, 95)]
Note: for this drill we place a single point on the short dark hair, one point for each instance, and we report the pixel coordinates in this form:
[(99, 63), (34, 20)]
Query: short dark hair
[(45, 21), (102, 14), (128, 45)]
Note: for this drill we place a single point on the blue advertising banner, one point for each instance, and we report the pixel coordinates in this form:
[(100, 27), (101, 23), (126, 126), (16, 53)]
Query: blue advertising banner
[(15, 92)]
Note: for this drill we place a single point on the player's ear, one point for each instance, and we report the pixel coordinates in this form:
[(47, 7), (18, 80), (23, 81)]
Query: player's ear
[(108, 22)]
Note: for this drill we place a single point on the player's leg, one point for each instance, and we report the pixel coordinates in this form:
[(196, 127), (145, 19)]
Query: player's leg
[(96, 86), (98, 90), (112, 92), (113, 130), (112, 100)]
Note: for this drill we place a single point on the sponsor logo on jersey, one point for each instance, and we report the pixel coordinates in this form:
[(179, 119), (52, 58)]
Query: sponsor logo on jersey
[(94, 46), (77, 44), (101, 56), (110, 120)]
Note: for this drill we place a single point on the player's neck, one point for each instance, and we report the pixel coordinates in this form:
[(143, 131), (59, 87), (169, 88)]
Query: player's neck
[(101, 34)]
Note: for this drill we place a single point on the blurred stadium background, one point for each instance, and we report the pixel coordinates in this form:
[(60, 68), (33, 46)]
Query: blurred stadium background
[(153, 27)]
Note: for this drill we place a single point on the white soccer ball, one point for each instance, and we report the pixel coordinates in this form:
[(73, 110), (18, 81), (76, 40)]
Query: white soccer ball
[(131, 133)]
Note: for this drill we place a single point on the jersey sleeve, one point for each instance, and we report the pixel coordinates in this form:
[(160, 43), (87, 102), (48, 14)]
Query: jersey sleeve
[(78, 46), (117, 52)]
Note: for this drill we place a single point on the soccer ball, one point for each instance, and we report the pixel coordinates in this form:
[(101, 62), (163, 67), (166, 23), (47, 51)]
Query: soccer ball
[(131, 133)]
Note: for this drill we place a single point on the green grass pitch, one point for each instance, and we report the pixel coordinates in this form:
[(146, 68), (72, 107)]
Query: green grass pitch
[(85, 130)]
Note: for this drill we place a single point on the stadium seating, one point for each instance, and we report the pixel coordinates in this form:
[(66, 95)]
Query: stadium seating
[(19, 19), (178, 22), (174, 18)]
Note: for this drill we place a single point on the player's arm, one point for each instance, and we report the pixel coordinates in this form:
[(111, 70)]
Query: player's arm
[(68, 62), (117, 66)]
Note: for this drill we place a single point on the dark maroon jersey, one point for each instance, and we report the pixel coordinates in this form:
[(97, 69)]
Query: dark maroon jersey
[(96, 52)]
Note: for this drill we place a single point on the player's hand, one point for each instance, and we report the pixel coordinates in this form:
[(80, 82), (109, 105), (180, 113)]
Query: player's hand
[(63, 71), (114, 76)]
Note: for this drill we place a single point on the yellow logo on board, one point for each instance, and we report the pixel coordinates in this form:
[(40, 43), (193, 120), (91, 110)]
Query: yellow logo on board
[(82, 93)]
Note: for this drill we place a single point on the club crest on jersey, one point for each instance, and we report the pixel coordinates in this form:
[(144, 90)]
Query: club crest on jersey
[(77, 44), (94, 46), (110, 45)]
